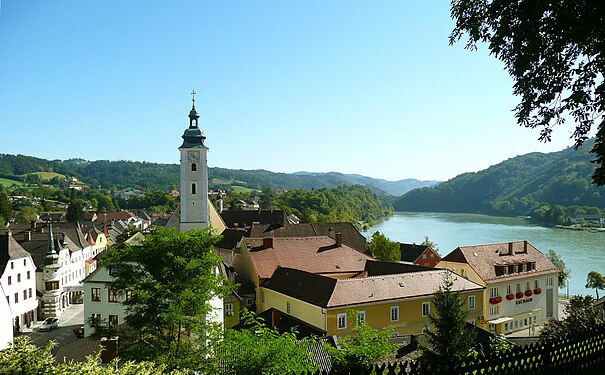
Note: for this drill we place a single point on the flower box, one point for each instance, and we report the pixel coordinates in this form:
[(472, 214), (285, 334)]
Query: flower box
[(510, 297), (528, 293), (537, 291), (495, 300), (520, 294)]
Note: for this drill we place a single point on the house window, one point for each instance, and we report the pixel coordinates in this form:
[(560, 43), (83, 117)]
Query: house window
[(250, 301), (10, 280), (30, 292), (426, 308), (341, 321), (536, 284), (515, 269), (12, 265), (523, 267), (24, 294), (16, 297), (549, 281), (113, 320), (112, 296), (471, 302), (228, 309), (494, 292), (128, 295), (18, 277), (112, 269), (509, 289), (95, 294), (527, 285), (51, 285), (518, 288), (494, 310), (193, 189), (24, 262), (423, 256), (505, 270), (394, 313), (288, 307), (28, 275), (432, 256), (95, 319), (193, 167), (361, 318)]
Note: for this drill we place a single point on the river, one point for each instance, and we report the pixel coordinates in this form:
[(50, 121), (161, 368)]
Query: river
[(582, 251)]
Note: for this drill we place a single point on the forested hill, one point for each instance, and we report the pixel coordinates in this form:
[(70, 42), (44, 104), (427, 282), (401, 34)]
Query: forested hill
[(122, 174), (514, 187)]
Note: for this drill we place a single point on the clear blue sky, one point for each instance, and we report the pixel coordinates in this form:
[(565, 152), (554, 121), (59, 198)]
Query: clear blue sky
[(368, 87)]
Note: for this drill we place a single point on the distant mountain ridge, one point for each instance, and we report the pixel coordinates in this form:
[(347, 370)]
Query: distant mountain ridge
[(514, 186), (122, 174), (399, 187)]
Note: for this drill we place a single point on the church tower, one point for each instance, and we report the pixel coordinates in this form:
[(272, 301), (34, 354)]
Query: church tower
[(194, 175)]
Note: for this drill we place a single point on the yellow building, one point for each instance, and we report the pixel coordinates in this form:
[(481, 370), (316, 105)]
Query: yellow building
[(260, 257), (520, 283), (401, 301)]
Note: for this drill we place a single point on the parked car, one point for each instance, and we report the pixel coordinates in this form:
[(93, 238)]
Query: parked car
[(79, 332), (49, 324)]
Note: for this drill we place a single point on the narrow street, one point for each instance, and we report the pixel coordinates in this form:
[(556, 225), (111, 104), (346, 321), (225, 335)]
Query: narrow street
[(72, 318)]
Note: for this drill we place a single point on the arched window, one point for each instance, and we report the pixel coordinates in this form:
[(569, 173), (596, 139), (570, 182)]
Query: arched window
[(193, 167), (193, 188)]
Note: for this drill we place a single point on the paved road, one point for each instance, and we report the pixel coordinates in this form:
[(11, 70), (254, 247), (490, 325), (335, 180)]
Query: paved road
[(72, 317)]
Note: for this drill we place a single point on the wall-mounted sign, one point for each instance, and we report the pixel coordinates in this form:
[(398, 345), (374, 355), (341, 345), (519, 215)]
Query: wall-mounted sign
[(526, 300)]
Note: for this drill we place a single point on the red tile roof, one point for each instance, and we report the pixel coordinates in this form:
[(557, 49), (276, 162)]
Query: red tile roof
[(484, 259), (311, 254)]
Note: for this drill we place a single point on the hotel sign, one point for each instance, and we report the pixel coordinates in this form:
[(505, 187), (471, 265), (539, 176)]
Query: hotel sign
[(526, 300)]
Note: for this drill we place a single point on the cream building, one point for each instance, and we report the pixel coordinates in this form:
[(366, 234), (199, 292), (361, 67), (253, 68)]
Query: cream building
[(520, 283)]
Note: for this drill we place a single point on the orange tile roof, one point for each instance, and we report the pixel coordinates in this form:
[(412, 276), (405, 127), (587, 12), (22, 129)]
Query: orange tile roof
[(391, 287), (311, 254), (484, 258)]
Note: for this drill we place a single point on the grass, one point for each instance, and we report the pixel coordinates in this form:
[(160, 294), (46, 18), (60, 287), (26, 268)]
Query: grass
[(7, 182), (241, 189), (47, 176)]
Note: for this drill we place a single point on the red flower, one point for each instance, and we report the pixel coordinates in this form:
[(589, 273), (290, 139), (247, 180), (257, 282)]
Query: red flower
[(537, 291), (528, 293), (510, 297), (520, 294)]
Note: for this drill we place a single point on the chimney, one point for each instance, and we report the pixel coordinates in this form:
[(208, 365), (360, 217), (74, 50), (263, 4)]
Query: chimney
[(525, 246), (510, 248), (275, 318), (338, 239), (267, 243), (27, 236)]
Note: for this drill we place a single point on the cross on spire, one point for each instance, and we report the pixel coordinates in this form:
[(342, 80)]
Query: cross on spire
[(193, 94)]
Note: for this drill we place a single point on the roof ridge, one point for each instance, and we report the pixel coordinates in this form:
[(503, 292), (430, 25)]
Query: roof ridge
[(393, 275)]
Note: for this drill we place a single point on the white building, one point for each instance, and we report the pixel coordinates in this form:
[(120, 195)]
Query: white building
[(6, 321), (520, 281), (18, 281)]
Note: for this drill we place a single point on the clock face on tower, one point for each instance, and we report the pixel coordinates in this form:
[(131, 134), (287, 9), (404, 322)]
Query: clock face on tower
[(193, 156)]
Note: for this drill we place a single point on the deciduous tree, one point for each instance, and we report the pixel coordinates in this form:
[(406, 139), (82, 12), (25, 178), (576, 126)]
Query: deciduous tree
[(431, 244), (384, 249), (555, 52), (359, 351), (580, 318), (169, 280), (595, 280), (563, 270), (26, 214), (258, 349)]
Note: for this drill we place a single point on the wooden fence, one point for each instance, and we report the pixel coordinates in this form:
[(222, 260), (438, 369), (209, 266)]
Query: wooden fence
[(583, 354)]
